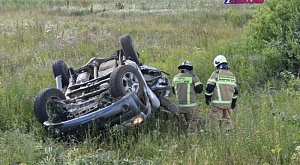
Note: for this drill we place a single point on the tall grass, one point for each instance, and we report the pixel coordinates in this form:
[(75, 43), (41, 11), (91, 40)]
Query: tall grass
[(165, 34)]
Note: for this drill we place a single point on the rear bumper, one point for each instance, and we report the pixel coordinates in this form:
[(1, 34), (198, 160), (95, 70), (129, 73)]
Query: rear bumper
[(122, 112)]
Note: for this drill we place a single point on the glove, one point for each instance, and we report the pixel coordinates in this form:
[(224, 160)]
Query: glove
[(207, 99), (233, 103)]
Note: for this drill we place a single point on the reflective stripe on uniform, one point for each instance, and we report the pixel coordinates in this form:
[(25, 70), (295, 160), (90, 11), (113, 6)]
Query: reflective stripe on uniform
[(184, 80), (198, 83), (223, 80), (218, 91), (211, 80), (208, 94), (221, 102), (188, 96), (228, 83), (188, 105)]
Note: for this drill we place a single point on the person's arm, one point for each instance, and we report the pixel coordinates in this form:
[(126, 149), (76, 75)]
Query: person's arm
[(234, 98), (198, 86), (173, 87), (210, 86)]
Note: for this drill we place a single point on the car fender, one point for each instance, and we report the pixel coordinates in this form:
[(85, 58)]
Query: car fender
[(102, 116), (153, 98)]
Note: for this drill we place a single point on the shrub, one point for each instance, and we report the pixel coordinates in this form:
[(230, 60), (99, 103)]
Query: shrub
[(275, 33)]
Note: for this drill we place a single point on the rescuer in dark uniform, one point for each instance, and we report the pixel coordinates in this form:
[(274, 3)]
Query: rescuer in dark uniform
[(186, 86)]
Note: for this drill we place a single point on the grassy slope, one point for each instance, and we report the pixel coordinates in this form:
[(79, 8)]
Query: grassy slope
[(165, 34)]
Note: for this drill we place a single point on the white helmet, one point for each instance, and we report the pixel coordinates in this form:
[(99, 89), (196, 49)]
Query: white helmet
[(186, 65), (220, 59)]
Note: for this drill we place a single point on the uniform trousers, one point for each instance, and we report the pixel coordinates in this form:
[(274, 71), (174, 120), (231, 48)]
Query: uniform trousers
[(188, 118), (220, 119)]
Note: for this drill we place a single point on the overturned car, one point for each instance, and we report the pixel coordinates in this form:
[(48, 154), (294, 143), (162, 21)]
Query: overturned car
[(105, 92)]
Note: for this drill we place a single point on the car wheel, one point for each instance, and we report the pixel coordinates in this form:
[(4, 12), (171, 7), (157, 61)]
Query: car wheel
[(45, 106), (60, 68), (128, 49), (126, 79)]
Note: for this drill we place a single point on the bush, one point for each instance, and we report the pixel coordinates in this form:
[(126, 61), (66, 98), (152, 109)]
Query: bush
[(275, 34)]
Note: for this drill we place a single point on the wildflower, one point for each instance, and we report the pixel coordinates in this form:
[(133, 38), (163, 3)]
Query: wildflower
[(277, 149)]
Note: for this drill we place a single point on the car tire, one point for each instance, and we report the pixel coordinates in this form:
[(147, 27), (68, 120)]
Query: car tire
[(125, 79), (128, 49), (43, 100), (59, 67)]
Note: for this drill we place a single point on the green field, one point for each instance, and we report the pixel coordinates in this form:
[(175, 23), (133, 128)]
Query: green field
[(34, 33)]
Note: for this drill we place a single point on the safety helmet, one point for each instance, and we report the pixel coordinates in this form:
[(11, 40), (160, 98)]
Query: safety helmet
[(186, 65), (220, 59)]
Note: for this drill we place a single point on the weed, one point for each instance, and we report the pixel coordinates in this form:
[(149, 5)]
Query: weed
[(35, 33)]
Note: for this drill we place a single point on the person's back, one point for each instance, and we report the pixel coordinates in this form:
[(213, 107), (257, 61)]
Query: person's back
[(186, 85), (224, 89), (221, 91), (186, 94)]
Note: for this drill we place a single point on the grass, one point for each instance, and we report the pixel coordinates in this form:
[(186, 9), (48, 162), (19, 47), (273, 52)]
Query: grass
[(35, 33)]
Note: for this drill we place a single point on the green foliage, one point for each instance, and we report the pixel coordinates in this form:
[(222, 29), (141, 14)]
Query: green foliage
[(274, 33), (18, 146), (165, 34), (238, 19)]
